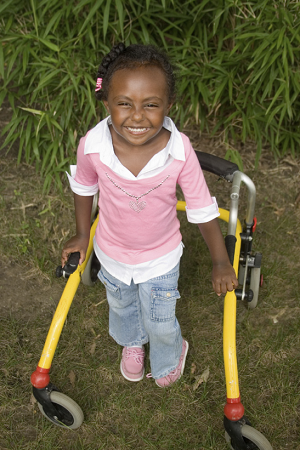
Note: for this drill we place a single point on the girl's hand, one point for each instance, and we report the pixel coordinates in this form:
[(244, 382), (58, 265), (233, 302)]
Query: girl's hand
[(77, 243), (224, 278)]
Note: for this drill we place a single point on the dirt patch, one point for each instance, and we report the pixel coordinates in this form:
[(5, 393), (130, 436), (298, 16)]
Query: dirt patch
[(26, 293)]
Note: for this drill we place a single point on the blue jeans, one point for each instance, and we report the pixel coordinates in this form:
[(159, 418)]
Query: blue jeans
[(145, 312)]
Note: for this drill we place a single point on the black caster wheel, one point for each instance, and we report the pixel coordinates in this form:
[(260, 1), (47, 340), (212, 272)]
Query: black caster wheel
[(90, 274), (255, 283), (69, 411), (254, 440), (255, 280)]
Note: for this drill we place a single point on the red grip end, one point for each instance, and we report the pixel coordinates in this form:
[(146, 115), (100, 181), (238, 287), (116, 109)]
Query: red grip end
[(40, 377)]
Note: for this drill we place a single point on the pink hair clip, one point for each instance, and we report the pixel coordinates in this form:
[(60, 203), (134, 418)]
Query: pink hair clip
[(98, 84)]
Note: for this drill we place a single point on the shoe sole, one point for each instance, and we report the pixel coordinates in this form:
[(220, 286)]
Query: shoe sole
[(182, 369), (130, 379)]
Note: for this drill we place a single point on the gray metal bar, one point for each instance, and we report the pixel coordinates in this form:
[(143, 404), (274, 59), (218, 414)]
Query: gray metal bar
[(237, 179)]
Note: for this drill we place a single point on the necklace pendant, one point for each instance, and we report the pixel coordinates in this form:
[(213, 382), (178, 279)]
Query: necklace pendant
[(137, 206)]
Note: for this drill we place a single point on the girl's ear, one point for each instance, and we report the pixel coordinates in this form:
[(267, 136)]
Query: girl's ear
[(169, 107), (106, 105)]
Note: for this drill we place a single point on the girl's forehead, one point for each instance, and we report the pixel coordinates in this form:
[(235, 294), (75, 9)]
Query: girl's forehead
[(142, 77)]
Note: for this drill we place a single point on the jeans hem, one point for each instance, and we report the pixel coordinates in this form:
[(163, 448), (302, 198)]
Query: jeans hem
[(129, 344), (167, 372)]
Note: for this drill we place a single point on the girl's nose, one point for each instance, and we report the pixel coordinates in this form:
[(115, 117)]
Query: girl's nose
[(137, 114)]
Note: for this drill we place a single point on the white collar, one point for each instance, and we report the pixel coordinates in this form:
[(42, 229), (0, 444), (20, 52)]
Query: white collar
[(99, 140)]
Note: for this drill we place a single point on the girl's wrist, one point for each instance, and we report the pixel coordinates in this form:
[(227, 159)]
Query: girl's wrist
[(83, 235), (222, 263)]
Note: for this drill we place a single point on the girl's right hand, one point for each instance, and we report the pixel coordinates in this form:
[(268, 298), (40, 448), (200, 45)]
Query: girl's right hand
[(77, 243)]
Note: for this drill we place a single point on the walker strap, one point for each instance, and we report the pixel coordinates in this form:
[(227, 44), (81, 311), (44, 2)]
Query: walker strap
[(221, 167)]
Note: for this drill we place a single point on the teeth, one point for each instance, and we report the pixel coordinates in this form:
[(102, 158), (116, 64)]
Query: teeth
[(136, 129)]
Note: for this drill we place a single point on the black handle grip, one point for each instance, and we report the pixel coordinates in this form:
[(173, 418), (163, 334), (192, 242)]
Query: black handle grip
[(70, 266), (216, 165)]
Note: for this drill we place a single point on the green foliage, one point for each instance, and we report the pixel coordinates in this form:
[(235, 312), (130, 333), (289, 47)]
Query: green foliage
[(233, 156), (238, 63)]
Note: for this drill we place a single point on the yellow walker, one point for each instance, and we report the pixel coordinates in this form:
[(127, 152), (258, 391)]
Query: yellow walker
[(64, 412)]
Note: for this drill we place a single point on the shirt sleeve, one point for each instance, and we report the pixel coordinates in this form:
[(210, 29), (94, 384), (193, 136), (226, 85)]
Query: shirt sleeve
[(83, 179), (200, 206)]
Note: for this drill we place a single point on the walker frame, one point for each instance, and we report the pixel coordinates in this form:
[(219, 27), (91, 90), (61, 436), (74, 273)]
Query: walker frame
[(64, 412)]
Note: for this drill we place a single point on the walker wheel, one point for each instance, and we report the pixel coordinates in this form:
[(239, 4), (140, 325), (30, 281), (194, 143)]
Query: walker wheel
[(254, 440), (90, 274), (241, 274), (70, 412), (255, 283)]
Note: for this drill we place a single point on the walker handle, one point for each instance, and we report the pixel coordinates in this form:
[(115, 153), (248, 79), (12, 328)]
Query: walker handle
[(216, 165), (70, 266)]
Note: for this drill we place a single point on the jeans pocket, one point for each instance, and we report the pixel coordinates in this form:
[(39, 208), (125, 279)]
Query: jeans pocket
[(110, 287), (163, 303)]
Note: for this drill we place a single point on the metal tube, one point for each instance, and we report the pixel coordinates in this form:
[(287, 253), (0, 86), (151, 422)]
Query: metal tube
[(237, 179), (251, 198), (63, 308), (229, 322), (233, 215)]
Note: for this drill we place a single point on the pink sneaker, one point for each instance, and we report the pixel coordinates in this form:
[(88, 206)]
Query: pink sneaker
[(179, 370), (132, 363)]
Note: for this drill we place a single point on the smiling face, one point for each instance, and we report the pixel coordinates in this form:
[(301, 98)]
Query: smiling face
[(138, 102)]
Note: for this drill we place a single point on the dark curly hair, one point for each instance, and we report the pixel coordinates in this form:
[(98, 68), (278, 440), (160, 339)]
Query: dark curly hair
[(121, 57)]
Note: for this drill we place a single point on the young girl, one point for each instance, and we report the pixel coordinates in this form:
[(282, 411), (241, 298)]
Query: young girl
[(135, 158)]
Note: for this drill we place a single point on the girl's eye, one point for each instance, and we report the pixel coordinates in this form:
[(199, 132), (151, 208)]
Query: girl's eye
[(151, 105), (123, 104)]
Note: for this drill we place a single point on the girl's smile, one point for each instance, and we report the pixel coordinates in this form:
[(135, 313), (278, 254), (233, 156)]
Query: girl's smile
[(137, 130), (138, 103)]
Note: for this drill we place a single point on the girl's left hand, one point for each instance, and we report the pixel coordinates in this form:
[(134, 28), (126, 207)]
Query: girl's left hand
[(224, 278)]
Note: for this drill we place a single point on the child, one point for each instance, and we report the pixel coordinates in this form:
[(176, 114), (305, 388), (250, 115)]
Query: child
[(134, 158)]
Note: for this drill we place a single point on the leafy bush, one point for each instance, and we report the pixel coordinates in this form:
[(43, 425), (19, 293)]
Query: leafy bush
[(238, 62)]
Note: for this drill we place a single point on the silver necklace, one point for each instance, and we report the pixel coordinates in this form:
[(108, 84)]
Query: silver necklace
[(136, 206)]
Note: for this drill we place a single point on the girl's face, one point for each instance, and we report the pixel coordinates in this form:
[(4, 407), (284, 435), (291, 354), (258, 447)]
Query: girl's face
[(138, 102)]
